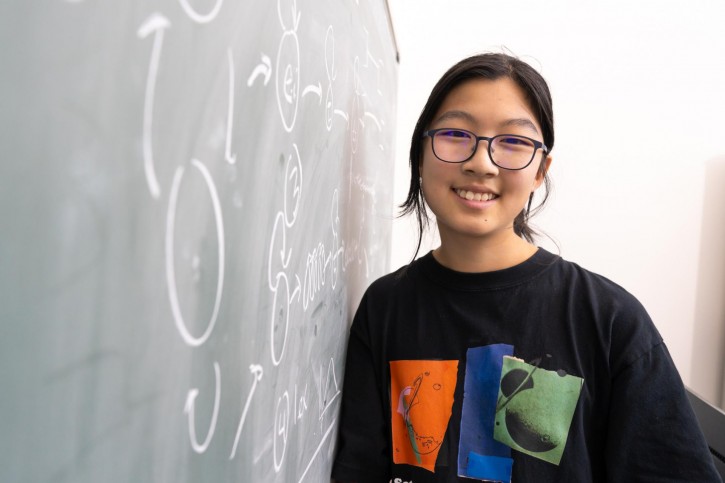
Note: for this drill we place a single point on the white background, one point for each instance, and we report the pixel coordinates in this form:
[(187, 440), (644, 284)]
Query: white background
[(639, 158)]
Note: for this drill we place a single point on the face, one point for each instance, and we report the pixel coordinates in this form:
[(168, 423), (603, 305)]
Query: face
[(477, 199)]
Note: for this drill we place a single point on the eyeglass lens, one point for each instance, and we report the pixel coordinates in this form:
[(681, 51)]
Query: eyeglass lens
[(507, 151)]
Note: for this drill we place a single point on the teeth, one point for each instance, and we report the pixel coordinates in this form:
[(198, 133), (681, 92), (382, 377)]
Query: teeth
[(471, 196)]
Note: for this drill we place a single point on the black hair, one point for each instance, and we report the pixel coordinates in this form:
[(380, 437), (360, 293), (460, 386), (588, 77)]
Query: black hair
[(490, 66)]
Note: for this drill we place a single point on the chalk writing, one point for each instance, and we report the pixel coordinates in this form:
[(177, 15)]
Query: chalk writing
[(228, 155), (190, 339), (264, 69), (281, 430), (189, 410), (257, 372), (201, 17), (312, 242), (156, 24)]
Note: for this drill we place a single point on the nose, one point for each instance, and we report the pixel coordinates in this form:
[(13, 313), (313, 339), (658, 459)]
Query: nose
[(481, 163)]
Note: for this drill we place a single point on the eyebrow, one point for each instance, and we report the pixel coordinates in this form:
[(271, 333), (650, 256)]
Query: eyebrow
[(521, 122), (455, 115), (465, 116)]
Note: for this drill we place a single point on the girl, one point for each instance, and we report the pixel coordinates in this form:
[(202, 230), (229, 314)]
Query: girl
[(491, 359)]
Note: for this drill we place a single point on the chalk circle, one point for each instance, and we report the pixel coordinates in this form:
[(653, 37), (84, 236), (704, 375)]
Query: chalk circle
[(276, 252), (331, 75), (356, 113), (280, 318), (336, 242), (288, 7), (171, 277), (281, 429), (287, 79), (355, 124), (330, 53), (201, 17), (292, 187)]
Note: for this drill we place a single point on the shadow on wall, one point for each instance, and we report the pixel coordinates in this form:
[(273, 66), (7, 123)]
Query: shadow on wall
[(708, 354)]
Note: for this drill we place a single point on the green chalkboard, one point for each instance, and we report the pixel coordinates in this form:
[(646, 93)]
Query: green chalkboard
[(193, 196)]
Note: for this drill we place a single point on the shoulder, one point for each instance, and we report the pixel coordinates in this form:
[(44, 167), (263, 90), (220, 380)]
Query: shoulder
[(599, 290), (384, 298), (395, 283), (618, 316)]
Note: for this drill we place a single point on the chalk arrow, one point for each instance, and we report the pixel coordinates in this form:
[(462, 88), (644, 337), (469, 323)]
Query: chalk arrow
[(155, 22), (264, 69), (257, 372)]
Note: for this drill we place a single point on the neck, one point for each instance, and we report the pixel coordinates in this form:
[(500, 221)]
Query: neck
[(483, 255)]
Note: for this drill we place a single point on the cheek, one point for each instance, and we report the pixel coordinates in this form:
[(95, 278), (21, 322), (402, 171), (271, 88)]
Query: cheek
[(526, 181), (428, 170)]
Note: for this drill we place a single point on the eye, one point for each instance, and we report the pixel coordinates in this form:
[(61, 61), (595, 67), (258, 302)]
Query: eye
[(453, 134), (514, 141)]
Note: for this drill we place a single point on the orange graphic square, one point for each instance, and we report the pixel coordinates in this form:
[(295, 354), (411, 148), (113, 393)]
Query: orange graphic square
[(421, 400)]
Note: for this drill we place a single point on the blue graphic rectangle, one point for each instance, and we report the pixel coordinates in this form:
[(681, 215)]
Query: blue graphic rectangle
[(480, 392), (493, 468)]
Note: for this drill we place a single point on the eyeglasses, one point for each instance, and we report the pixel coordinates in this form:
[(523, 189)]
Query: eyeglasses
[(507, 151)]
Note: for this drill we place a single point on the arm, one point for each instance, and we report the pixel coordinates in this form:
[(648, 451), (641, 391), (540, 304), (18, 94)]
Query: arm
[(363, 453), (653, 434)]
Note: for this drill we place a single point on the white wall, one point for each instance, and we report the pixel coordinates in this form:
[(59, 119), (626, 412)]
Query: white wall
[(639, 106)]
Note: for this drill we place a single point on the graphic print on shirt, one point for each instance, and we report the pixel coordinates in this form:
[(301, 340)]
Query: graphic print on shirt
[(535, 408), (421, 399), (480, 456)]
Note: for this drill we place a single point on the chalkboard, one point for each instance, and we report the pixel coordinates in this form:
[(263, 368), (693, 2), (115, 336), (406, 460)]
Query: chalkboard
[(193, 196)]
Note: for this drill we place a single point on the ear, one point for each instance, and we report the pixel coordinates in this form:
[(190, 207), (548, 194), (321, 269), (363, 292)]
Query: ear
[(543, 169)]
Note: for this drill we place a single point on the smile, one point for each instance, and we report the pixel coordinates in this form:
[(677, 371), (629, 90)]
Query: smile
[(472, 196)]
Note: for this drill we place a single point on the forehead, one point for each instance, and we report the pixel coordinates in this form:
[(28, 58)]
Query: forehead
[(483, 102)]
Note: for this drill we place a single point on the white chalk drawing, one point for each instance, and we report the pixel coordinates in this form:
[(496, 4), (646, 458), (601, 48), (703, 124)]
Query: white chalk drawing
[(317, 451), (281, 430), (341, 113), (288, 7), (314, 89), (300, 404), (257, 372), (228, 155), (287, 70), (189, 410), (378, 123), (331, 75), (264, 69), (377, 63), (279, 257), (201, 17), (337, 247), (302, 280), (328, 389), (280, 317), (190, 339), (284, 253), (292, 187), (156, 24), (355, 115), (287, 79)]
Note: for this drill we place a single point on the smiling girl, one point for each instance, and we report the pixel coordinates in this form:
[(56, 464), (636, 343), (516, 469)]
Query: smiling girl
[(491, 359)]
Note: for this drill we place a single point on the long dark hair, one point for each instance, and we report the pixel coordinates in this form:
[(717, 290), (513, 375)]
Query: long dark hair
[(490, 66)]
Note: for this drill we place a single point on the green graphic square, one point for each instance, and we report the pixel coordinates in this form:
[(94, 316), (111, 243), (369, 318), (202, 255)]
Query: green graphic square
[(535, 408)]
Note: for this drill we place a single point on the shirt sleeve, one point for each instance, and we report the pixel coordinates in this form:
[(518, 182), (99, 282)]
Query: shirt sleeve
[(653, 434), (363, 451)]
